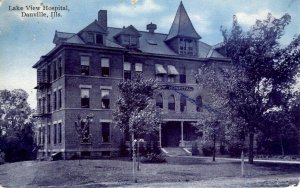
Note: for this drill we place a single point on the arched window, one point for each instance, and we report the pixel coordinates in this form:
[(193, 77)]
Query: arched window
[(198, 103), (171, 102), (182, 103), (159, 101)]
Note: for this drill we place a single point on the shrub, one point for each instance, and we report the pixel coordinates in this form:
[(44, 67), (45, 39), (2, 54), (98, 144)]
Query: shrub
[(235, 149), (153, 158), (195, 150), (207, 149), (123, 150)]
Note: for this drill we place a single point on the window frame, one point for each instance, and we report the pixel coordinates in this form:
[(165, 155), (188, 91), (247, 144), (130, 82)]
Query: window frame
[(171, 104), (85, 65), (105, 69), (105, 138), (106, 98), (85, 99)]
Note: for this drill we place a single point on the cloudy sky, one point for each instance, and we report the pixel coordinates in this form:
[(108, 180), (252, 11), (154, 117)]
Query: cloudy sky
[(24, 40)]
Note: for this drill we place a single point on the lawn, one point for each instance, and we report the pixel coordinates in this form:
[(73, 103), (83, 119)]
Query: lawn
[(119, 172)]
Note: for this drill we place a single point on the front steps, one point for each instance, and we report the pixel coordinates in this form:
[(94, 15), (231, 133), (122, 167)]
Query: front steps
[(175, 151)]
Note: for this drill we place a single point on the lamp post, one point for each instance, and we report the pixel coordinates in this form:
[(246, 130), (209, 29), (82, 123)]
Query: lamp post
[(134, 161), (138, 153)]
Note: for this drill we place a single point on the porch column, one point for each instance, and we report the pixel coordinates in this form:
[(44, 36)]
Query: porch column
[(181, 141)]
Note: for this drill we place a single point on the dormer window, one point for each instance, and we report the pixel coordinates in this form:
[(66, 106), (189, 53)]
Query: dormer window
[(99, 39), (94, 38), (187, 46), (130, 40)]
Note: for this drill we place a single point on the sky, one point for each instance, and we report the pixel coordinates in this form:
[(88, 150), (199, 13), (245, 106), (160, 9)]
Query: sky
[(23, 40)]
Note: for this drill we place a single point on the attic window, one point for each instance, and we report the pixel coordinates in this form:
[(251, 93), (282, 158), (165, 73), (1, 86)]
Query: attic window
[(130, 40), (151, 42), (186, 46), (99, 39)]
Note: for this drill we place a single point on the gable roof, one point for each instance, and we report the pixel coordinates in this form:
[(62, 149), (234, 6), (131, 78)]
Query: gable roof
[(130, 30), (61, 36), (94, 27), (182, 25)]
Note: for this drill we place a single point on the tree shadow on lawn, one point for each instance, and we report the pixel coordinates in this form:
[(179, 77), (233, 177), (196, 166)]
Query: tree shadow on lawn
[(284, 168)]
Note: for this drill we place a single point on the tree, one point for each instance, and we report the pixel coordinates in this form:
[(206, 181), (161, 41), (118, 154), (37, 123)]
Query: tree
[(211, 132), (217, 81), (16, 126), (267, 70), (135, 113)]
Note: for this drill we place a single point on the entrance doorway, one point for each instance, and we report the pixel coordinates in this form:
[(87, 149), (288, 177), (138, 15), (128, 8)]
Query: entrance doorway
[(170, 134)]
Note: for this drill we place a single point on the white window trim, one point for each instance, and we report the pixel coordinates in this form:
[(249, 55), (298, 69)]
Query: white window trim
[(82, 86), (105, 120), (106, 87)]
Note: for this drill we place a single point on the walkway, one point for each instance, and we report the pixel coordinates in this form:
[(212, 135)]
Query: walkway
[(236, 159)]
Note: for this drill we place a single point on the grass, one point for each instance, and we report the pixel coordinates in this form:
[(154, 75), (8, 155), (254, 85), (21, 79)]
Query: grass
[(103, 172)]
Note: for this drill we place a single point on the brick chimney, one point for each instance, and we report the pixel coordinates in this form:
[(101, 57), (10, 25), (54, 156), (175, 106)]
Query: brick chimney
[(102, 18), (151, 27)]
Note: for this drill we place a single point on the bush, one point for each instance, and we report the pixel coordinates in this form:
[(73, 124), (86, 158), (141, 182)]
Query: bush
[(123, 150), (207, 150), (153, 158), (195, 150), (235, 149), (2, 157)]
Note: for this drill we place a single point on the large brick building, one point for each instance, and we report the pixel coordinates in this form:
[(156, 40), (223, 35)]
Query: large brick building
[(81, 73)]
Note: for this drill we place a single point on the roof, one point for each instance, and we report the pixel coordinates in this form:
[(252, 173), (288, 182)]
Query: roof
[(94, 27), (153, 43), (130, 30), (182, 25)]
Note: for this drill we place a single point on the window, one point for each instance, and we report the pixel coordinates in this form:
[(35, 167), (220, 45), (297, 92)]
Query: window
[(43, 135), (85, 65), (139, 67), (40, 105), (55, 133), (99, 39), (48, 73), (182, 103), (159, 101), (127, 71), (59, 133), (44, 76), (171, 102), (85, 98), (105, 132), (59, 68), (186, 46), (48, 103), (39, 136), (159, 77), (130, 40), (171, 78), (49, 134), (182, 76), (105, 67), (105, 98), (198, 103), (54, 100), (172, 73), (44, 105), (54, 70), (59, 99), (90, 38)]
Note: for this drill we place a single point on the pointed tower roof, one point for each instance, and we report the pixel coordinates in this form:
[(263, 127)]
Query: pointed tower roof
[(182, 25)]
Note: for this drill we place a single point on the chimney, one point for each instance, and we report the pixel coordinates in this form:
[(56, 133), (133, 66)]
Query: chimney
[(151, 27), (102, 18)]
